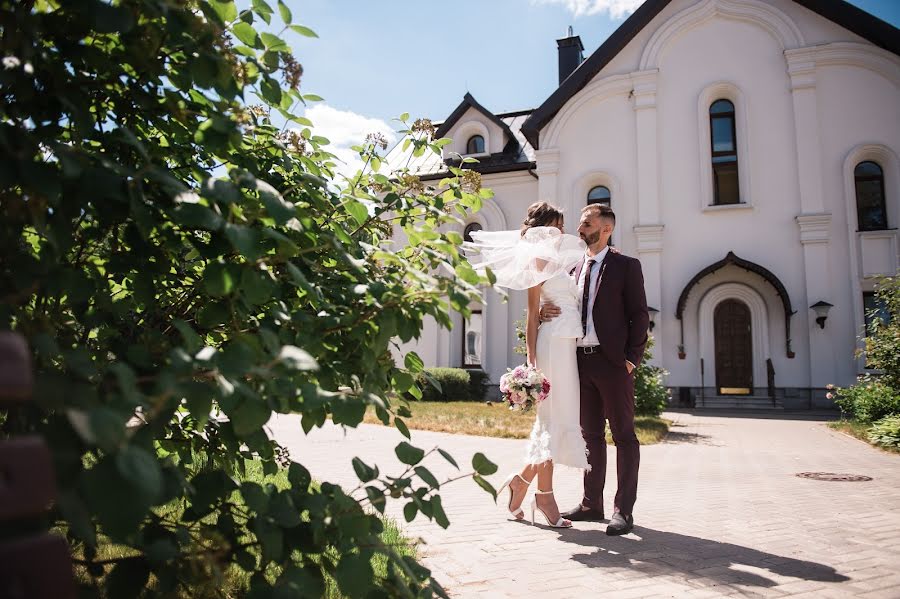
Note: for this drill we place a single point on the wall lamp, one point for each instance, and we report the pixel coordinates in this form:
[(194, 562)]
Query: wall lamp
[(653, 312), (821, 309)]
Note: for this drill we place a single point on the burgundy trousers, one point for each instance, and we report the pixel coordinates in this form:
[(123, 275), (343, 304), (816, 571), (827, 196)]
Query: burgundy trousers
[(607, 393)]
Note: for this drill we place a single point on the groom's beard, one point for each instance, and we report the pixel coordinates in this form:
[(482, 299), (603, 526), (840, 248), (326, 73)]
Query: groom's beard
[(591, 239)]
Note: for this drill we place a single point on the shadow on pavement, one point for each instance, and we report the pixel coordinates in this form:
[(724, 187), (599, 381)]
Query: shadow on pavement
[(810, 415), (658, 553), (676, 436)]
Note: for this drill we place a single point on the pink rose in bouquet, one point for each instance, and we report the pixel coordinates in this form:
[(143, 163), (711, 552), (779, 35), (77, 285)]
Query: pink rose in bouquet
[(523, 387)]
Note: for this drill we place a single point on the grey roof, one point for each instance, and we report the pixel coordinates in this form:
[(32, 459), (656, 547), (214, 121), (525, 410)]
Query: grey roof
[(518, 155)]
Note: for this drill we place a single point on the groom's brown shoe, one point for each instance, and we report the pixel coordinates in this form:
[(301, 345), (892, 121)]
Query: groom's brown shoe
[(584, 514)]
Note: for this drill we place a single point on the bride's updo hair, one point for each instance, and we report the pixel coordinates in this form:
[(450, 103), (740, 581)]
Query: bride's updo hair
[(541, 214)]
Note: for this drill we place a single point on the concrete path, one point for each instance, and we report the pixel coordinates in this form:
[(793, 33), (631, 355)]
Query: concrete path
[(720, 513)]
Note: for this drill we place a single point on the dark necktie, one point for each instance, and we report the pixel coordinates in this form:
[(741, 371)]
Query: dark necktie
[(586, 295)]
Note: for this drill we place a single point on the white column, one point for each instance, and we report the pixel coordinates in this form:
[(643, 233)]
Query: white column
[(649, 246), (644, 95), (814, 235), (813, 220), (649, 230), (548, 175), (802, 70)]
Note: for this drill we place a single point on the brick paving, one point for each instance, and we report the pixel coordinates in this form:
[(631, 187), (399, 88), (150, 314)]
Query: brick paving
[(719, 513)]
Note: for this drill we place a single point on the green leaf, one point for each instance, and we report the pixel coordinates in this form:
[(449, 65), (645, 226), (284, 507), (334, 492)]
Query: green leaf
[(482, 465), (249, 416), (277, 207), (225, 9), (413, 362), (305, 31), (245, 240), (273, 43), (364, 472), (313, 98), (426, 475), (218, 279), (196, 216), (354, 575), (404, 117), (141, 469), (107, 427), (401, 426), (271, 91), (437, 510), (485, 485), (357, 210), (299, 477), (409, 511), (285, 12), (409, 454), (449, 458), (110, 19), (247, 34), (264, 11)]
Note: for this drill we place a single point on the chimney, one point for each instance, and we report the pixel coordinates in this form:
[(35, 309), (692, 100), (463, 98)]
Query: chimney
[(570, 54)]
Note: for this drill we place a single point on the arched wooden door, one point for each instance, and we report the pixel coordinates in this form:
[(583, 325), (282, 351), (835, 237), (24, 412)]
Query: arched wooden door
[(734, 348)]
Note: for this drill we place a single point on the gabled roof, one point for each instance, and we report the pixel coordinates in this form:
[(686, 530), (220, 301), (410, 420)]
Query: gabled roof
[(467, 103), (882, 34), (518, 155)]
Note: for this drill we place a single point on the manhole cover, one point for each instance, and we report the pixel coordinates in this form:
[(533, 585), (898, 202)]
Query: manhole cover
[(846, 478)]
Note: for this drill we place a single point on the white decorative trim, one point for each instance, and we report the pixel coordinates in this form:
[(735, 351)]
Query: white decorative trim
[(724, 90), (856, 54), (644, 91), (462, 134), (890, 165), (759, 325), (814, 228), (649, 238), (779, 25), (547, 161), (596, 91)]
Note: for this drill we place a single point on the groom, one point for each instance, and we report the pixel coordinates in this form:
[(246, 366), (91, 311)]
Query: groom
[(614, 320)]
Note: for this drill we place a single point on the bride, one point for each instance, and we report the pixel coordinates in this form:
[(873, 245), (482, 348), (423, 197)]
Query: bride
[(539, 258)]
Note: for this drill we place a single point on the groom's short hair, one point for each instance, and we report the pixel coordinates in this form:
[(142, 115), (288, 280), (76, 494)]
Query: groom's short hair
[(602, 211)]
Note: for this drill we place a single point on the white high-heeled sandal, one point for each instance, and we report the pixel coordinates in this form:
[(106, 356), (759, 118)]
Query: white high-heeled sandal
[(506, 484), (561, 523)]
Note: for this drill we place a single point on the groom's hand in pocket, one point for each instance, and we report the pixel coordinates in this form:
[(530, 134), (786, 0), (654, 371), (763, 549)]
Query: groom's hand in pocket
[(549, 311)]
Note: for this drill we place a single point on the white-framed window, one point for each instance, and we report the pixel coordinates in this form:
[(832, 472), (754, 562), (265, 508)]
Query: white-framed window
[(475, 145)]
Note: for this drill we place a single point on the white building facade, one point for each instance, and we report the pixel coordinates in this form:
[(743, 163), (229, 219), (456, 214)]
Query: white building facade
[(749, 149)]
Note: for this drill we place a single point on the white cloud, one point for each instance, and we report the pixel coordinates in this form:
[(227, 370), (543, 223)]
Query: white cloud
[(345, 128), (585, 8)]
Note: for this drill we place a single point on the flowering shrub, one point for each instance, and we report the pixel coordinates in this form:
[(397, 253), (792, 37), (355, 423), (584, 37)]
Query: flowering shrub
[(523, 387), (870, 399), (886, 432)]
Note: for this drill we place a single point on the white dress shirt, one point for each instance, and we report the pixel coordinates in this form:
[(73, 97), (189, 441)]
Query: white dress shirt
[(590, 337)]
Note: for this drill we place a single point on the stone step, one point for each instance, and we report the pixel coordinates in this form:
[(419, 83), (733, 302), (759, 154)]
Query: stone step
[(750, 402)]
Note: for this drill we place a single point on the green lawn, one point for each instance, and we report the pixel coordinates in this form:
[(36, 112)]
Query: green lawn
[(860, 431), (496, 420)]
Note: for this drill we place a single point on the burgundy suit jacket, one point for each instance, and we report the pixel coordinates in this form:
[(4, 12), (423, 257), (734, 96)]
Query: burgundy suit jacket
[(620, 310)]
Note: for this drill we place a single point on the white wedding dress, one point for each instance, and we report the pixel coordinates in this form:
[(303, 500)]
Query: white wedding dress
[(557, 429), (546, 256)]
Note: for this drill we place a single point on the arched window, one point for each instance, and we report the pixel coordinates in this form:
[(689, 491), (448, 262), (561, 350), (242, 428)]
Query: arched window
[(723, 138), (871, 208), (471, 228), (475, 145), (599, 195), (472, 339)]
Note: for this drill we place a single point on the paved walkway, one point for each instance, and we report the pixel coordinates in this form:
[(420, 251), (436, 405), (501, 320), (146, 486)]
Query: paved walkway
[(720, 513)]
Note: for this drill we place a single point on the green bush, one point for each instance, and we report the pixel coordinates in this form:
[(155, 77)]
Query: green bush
[(883, 341), (886, 432), (454, 384), (169, 250), (870, 399), (478, 384), (650, 395)]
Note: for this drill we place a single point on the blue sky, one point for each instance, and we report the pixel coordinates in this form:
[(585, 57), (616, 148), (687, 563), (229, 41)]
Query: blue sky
[(375, 60)]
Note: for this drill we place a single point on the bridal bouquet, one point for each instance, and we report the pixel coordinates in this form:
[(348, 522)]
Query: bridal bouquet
[(523, 387)]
